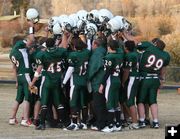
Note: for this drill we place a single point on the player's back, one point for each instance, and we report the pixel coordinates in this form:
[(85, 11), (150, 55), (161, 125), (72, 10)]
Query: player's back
[(132, 62), (20, 58), (52, 63), (79, 60), (114, 62), (153, 59)]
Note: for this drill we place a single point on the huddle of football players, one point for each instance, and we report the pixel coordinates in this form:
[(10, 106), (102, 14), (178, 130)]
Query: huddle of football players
[(91, 73)]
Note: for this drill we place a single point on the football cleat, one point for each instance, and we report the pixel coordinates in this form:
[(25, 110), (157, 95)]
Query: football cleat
[(27, 123), (13, 121), (72, 127), (40, 127), (147, 121), (155, 125), (94, 128), (107, 129), (142, 124), (117, 127), (82, 126), (134, 126)]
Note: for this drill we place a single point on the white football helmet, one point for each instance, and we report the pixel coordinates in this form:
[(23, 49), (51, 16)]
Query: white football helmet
[(114, 25), (60, 18), (33, 15), (82, 14), (105, 15), (67, 23), (93, 15), (52, 21), (90, 30), (81, 24), (74, 18), (125, 24), (57, 30)]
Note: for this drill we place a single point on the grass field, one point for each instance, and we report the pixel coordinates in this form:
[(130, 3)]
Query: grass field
[(169, 113)]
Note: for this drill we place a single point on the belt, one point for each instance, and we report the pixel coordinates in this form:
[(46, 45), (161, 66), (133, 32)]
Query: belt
[(21, 74), (149, 77), (151, 74), (135, 77)]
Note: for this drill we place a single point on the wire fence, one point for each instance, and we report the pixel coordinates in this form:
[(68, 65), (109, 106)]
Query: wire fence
[(172, 78), (173, 75)]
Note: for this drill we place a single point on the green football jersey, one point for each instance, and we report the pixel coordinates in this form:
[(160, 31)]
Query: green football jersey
[(20, 58), (131, 62), (153, 59), (52, 62), (113, 63), (79, 60)]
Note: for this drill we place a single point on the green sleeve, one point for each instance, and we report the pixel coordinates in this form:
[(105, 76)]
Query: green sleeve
[(144, 45), (39, 58)]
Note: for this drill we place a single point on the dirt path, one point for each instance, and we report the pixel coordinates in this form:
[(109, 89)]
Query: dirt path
[(169, 104)]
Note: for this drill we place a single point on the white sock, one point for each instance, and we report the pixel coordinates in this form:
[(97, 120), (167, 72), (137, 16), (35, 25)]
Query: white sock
[(141, 119), (155, 120)]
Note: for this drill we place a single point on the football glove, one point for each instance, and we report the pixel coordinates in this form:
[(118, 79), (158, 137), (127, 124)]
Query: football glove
[(33, 90)]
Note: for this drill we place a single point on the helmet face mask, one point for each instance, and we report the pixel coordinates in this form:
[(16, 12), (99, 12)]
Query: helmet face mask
[(81, 25), (125, 24), (67, 24), (52, 21), (93, 16), (105, 15), (90, 30)]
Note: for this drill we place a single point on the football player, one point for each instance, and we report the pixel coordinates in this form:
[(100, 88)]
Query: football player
[(130, 80), (50, 60), (111, 85), (34, 51), (21, 67), (152, 64), (77, 72)]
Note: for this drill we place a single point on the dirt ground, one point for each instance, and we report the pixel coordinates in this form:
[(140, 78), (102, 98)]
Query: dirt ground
[(169, 113)]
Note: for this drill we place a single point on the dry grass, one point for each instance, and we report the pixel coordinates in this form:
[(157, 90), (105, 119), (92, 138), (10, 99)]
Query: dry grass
[(169, 113)]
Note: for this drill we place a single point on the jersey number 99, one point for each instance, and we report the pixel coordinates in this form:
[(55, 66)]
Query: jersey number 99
[(153, 61)]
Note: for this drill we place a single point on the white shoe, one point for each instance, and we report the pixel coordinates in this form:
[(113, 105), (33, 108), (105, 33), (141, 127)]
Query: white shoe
[(27, 123), (117, 128), (134, 126), (13, 121), (82, 126), (94, 128), (107, 129)]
